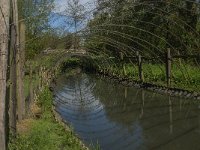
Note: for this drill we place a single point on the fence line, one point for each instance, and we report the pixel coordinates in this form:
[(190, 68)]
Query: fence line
[(168, 57)]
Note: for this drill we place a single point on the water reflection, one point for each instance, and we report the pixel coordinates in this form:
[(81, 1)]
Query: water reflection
[(119, 117)]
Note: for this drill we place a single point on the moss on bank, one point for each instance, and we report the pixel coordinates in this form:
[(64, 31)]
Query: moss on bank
[(44, 133)]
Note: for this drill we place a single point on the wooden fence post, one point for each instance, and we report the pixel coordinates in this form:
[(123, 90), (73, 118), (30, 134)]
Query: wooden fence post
[(40, 78), (12, 87), (123, 66), (31, 85), (140, 71), (4, 37), (168, 67), (22, 63)]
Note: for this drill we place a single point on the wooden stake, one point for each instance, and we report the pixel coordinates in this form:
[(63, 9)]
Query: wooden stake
[(22, 63), (4, 38), (140, 71), (31, 86), (123, 65), (12, 86), (168, 67)]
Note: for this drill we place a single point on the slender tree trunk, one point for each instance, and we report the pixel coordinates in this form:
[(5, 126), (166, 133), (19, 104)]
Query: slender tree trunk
[(75, 35), (12, 87), (20, 97), (22, 63), (4, 36), (31, 85)]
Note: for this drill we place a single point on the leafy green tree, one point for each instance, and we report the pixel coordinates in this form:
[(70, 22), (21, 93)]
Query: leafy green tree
[(36, 15), (75, 13)]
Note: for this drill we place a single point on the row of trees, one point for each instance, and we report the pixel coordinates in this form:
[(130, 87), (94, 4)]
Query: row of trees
[(149, 27)]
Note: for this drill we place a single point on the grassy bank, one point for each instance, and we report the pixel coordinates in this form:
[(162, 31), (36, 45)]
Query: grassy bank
[(40, 131), (43, 132), (184, 76)]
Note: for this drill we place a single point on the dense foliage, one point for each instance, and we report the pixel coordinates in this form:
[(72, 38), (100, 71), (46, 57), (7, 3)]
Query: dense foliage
[(126, 29), (38, 17), (146, 26)]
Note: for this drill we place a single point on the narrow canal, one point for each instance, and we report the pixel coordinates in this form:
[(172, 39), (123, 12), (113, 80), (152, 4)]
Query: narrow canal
[(126, 118)]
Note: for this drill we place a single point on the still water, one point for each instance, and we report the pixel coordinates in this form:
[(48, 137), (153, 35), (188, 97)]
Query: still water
[(125, 118)]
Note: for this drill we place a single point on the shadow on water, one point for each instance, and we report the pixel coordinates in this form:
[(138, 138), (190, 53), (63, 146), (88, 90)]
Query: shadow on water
[(123, 118)]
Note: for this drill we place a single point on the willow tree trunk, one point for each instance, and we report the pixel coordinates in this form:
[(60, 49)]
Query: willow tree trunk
[(4, 34)]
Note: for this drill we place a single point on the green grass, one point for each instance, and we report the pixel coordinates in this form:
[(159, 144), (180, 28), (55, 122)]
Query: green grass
[(184, 76), (35, 82), (45, 133)]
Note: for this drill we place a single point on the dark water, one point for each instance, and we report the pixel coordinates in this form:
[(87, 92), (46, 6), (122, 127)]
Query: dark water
[(126, 118)]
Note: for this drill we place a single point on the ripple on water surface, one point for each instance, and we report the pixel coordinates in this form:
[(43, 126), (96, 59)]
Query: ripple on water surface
[(123, 118)]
